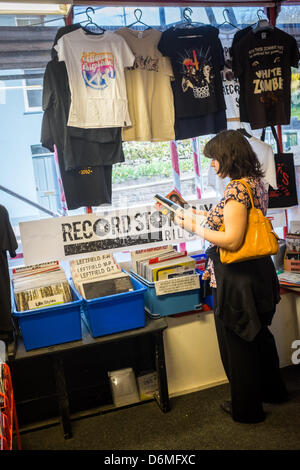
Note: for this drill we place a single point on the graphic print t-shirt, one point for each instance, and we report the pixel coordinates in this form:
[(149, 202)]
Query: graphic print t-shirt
[(263, 60), (197, 59), (231, 87), (95, 66), (149, 91)]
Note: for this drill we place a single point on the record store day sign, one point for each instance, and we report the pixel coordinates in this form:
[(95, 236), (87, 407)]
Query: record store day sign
[(65, 238)]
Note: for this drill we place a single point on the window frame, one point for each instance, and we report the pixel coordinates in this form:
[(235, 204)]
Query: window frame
[(26, 88)]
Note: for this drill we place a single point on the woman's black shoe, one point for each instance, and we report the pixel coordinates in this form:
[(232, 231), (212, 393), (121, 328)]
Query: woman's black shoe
[(226, 406)]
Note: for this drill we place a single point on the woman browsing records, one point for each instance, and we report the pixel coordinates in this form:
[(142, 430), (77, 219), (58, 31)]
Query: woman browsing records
[(245, 293)]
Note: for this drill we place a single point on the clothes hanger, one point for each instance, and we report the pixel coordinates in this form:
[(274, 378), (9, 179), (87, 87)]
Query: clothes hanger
[(91, 22), (187, 20), (244, 132), (226, 21), (138, 19), (188, 23), (262, 24)]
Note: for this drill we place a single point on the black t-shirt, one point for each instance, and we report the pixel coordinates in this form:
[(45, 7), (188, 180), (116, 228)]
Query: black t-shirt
[(242, 105), (197, 59), (263, 62), (8, 243), (211, 123)]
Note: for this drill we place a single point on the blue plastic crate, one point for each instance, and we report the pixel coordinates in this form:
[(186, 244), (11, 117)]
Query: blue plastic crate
[(48, 326), (162, 305), (115, 313)]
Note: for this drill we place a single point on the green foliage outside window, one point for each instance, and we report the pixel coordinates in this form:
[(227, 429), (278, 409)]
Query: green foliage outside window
[(149, 160)]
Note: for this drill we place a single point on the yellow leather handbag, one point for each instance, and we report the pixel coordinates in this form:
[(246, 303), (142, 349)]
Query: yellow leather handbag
[(260, 239)]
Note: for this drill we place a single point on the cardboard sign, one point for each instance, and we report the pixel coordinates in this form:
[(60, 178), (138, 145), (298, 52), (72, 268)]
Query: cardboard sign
[(177, 284), (65, 238)]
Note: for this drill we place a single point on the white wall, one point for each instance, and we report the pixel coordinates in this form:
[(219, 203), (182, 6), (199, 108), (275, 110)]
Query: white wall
[(191, 349)]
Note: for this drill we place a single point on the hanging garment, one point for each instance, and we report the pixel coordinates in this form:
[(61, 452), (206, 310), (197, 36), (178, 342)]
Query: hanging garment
[(86, 185), (242, 105), (197, 59), (8, 243), (210, 123), (60, 33), (285, 193), (231, 86), (81, 147), (263, 62), (95, 66), (56, 88), (265, 155), (149, 91)]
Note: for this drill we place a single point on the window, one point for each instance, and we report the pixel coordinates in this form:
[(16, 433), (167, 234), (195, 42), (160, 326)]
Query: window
[(147, 168), (33, 90), (45, 176), (26, 21)]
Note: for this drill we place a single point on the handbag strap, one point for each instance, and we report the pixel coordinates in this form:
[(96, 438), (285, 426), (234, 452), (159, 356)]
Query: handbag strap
[(263, 134)]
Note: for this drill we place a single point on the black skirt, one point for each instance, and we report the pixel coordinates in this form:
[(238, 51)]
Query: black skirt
[(247, 293)]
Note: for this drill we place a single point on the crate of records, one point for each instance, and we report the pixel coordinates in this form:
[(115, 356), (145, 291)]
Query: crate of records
[(292, 253), (45, 306), (112, 300), (171, 278)]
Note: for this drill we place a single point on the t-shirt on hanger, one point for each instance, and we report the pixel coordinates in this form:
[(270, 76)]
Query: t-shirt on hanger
[(95, 66), (149, 90)]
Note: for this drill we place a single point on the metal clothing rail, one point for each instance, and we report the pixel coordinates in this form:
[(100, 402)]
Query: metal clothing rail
[(28, 201)]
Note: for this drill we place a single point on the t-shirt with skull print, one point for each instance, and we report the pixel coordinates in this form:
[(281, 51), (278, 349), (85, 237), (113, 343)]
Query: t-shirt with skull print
[(197, 59)]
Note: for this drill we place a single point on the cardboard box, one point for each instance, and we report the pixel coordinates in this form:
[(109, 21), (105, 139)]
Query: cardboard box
[(292, 265)]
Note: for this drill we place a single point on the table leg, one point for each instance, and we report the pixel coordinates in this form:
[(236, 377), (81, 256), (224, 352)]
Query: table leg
[(163, 392), (62, 395)]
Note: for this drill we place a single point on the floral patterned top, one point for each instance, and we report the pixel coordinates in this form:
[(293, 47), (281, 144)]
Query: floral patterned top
[(237, 191)]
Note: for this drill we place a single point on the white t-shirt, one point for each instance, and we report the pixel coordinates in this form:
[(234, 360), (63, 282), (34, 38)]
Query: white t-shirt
[(265, 155), (95, 66), (231, 85)]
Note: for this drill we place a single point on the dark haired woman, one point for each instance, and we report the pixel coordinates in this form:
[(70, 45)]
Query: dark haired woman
[(245, 294)]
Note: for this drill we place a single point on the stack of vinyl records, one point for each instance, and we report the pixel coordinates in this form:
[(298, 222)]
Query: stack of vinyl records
[(164, 263), (289, 280), (99, 276), (40, 285)]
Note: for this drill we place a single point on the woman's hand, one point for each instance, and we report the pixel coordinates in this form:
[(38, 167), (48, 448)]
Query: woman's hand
[(190, 221), (187, 223), (203, 213)]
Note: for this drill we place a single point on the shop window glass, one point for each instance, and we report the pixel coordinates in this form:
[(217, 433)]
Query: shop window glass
[(33, 90), (173, 15), (147, 168), (26, 21)]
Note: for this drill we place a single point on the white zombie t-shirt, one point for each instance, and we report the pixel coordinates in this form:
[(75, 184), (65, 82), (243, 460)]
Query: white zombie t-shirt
[(95, 66)]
